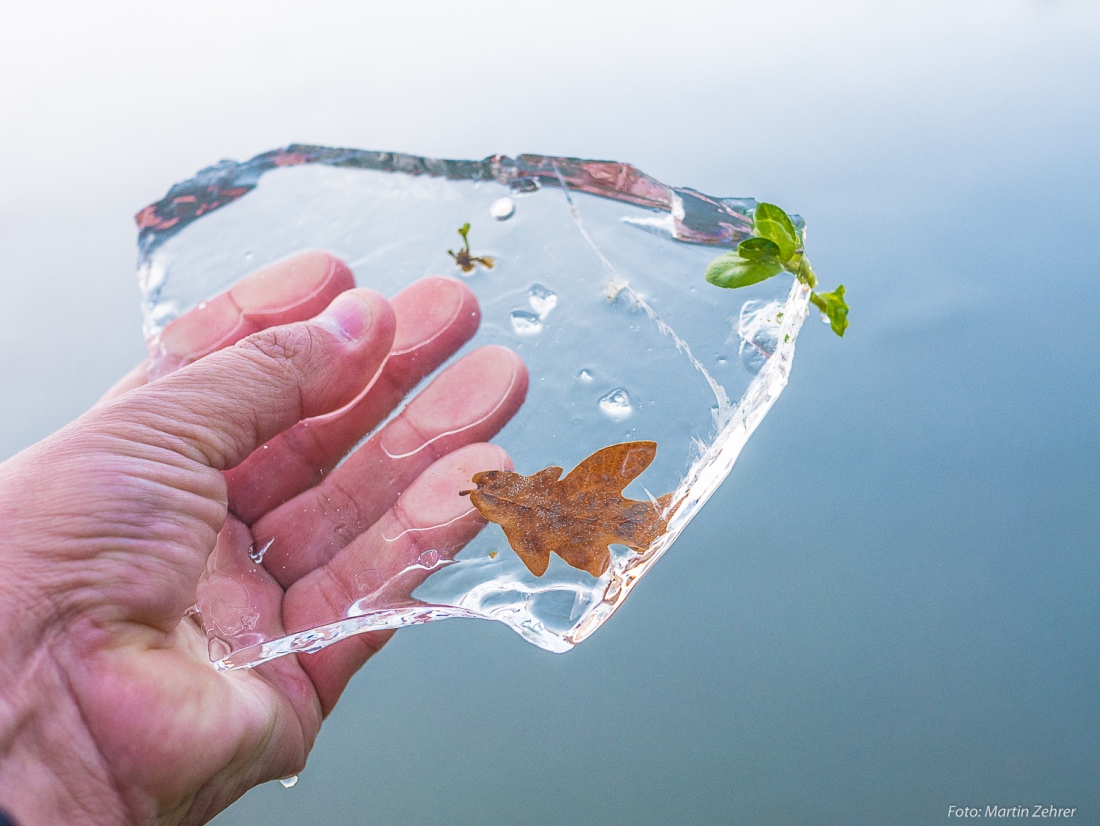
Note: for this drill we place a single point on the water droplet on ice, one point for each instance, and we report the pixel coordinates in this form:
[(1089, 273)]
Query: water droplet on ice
[(615, 286), (825, 318), (288, 782), (257, 556), (430, 558), (584, 377), (542, 300), (249, 620), (616, 405), (502, 209), (525, 323)]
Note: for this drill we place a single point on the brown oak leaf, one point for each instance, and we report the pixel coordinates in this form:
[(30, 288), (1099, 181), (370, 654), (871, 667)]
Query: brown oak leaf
[(578, 516)]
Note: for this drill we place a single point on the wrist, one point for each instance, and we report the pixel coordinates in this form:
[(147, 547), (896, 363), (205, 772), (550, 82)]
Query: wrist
[(50, 768), (28, 598)]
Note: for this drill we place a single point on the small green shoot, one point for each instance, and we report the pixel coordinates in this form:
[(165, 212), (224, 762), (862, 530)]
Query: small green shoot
[(770, 222), (463, 258), (776, 245), (834, 308)]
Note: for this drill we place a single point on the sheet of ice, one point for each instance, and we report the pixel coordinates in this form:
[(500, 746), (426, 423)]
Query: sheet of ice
[(598, 285)]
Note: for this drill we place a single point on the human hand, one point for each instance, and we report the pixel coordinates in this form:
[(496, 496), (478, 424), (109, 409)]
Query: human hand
[(109, 708)]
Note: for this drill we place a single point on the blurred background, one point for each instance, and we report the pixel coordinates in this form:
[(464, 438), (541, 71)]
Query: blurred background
[(891, 606)]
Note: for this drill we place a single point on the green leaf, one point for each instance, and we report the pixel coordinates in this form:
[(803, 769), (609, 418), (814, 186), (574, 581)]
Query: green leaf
[(756, 249), (731, 270), (770, 222), (833, 306), (462, 230)]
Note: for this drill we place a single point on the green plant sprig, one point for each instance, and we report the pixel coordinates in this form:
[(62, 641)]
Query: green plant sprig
[(464, 231), (776, 246)]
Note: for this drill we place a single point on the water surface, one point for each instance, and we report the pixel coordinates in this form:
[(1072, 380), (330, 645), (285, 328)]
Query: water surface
[(891, 605)]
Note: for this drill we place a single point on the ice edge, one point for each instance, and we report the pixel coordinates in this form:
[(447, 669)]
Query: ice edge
[(708, 472)]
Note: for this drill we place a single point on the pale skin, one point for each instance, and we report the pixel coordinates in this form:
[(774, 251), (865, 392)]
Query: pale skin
[(110, 711)]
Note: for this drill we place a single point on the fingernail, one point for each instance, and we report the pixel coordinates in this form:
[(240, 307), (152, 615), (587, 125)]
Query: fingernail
[(281, 285), (348, 316), (425, 310), (201, 329)]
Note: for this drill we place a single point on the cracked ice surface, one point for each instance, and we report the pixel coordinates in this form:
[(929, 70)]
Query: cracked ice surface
[(598, 285)]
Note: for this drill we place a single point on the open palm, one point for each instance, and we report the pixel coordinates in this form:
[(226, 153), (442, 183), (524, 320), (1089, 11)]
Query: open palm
[(148, 505)]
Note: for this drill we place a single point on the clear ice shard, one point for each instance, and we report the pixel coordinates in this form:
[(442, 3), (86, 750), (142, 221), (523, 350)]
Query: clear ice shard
[(591, 271)]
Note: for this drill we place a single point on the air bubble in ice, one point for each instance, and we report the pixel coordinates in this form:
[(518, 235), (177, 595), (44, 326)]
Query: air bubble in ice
[(502, 209), (525, 323), (429, 559), (584, 377), (616, 405), (542, 300)]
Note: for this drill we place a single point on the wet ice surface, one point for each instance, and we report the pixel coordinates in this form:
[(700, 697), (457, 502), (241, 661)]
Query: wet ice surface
[(597, 284)]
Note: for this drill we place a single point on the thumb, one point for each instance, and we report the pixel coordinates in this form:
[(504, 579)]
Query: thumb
[(123, 506), (221, 408)]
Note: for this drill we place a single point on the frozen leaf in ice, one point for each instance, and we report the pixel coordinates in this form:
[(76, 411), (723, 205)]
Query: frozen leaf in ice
[(579, 516)]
